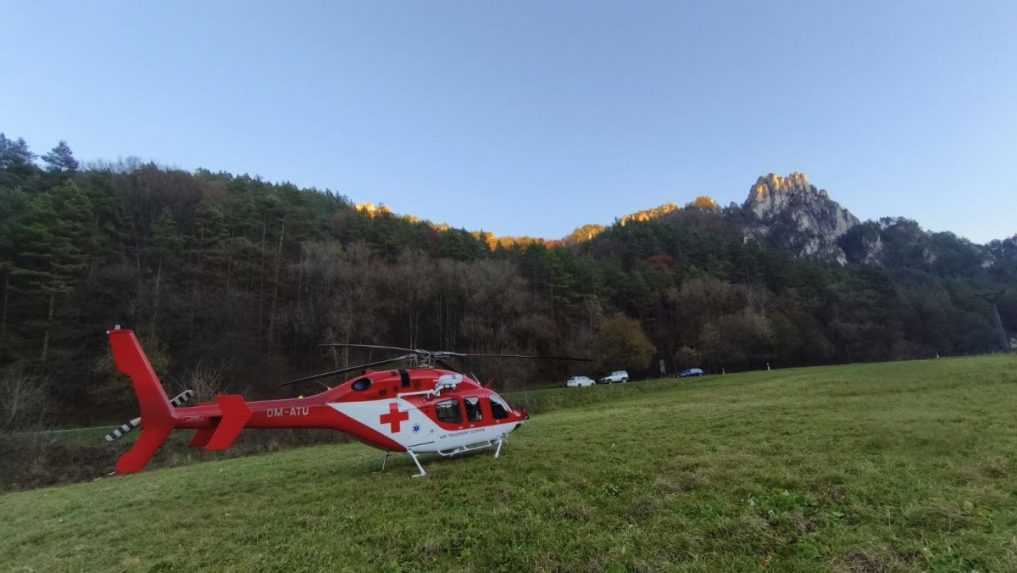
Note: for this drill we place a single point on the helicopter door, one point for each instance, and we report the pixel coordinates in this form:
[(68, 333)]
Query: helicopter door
[(474, 413)]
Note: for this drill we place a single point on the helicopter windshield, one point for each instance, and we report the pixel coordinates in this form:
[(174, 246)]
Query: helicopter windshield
[(499, 407)]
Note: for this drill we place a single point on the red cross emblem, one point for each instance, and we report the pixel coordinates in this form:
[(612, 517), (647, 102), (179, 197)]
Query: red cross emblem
[(394, 417)]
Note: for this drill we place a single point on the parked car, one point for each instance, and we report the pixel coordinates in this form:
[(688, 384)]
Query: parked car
[(579, 382), (616, 377), (691, 372)]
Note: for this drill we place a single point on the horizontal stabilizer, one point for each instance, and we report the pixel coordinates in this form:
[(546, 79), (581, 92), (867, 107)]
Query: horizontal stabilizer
[(201, 438), (235, 414)]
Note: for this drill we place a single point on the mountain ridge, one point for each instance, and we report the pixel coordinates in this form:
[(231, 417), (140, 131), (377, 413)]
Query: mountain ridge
[(785, 212)]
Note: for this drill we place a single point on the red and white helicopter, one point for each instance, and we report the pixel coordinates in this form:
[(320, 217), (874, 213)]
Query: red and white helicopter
[(417, 410)]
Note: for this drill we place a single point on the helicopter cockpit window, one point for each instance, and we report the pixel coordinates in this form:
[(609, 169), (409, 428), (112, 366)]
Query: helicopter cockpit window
[(448, 412), (362, 384), (499, 407), (473, 411)]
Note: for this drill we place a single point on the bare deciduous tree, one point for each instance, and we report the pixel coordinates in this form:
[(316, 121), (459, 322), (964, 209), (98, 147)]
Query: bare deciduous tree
[(206, 382), (22, 399)]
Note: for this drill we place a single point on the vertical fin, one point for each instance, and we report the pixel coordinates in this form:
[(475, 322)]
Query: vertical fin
[(156, 413), (131, 360), (149, 442)]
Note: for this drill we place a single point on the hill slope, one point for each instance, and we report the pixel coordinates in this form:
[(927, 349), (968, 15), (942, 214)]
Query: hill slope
[(231, 279), (894, 466)]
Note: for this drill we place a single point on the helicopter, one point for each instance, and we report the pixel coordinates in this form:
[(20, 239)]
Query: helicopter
[(428, 408)]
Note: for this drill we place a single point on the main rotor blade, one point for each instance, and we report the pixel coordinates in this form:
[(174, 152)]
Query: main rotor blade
[(527, 356), (451, 354), (446, 365), (370, 347), (349, 369)]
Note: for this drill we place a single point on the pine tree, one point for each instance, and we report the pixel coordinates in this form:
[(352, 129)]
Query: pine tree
[(164, 252), (30, 273), (207, 246), (54, 242), (15, 155), (60, 159), (13, 204)]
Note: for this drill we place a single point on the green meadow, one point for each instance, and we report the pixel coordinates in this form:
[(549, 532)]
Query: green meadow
[(907, 466)]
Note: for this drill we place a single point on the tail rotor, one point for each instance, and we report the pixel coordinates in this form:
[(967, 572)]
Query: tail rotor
[(180, 400)]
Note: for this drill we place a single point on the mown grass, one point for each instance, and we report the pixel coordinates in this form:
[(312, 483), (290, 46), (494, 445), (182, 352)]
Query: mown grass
[(881, 467)]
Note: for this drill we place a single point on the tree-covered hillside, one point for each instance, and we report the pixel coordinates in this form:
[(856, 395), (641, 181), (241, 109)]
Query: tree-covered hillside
[(241, 278)]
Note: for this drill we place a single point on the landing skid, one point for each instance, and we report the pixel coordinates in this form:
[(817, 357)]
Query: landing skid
[(413, 456), (496, 444)]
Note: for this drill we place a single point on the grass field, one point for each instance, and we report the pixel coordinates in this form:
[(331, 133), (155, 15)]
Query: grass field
[(906, 466)]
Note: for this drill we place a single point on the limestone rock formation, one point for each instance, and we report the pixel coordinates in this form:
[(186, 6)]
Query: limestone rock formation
[(792, 214)]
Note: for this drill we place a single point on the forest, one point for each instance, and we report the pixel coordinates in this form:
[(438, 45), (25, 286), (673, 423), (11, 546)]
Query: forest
[(233, 282)]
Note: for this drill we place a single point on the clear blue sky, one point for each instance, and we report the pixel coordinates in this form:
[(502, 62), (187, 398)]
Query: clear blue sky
[(536, 117)]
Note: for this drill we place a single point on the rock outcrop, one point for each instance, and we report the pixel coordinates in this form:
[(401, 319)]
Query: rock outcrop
[(792, 214), (649, 214)]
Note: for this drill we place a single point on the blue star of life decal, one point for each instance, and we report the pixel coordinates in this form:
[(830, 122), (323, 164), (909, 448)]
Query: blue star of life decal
[(416, 428)]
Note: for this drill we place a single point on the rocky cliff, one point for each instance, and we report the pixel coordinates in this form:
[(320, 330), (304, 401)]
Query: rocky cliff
[(792, 214)]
